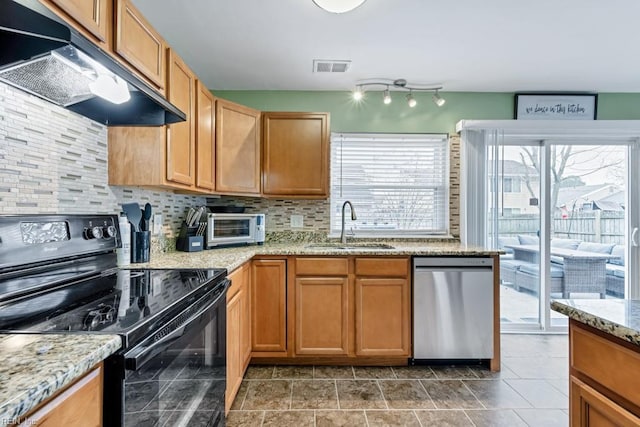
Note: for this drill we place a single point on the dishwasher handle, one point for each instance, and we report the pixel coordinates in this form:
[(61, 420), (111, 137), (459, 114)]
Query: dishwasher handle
[(463, 269)]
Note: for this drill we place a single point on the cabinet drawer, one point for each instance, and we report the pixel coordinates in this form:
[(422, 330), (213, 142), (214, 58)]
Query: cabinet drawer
[(391, 267), (322, 266), (610, 364)]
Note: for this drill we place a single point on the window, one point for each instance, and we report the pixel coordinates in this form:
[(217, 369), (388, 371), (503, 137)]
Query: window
[(398, 183), (512, 185)]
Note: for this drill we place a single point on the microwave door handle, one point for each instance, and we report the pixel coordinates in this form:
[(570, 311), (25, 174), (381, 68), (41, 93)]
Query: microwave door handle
[(141, 354)]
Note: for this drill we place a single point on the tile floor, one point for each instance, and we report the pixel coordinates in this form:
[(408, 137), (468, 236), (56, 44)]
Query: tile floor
[(531, 390)]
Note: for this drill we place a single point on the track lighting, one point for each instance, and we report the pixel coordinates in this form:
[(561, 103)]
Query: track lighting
[(386, 97), (399, 84), (338, 6), (437, 99), (411, 100)]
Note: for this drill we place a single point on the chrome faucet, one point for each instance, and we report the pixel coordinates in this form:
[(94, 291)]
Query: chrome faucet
[(343, 238)]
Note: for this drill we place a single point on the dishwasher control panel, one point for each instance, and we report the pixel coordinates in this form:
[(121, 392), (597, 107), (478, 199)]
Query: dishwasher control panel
[(453, 262)]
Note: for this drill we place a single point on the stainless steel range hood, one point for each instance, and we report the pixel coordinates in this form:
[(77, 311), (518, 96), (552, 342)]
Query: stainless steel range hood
[(44, 56)]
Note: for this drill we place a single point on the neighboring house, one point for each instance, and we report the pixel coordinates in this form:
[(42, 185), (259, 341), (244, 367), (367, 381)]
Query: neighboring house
[(512, 186), (591, 197)]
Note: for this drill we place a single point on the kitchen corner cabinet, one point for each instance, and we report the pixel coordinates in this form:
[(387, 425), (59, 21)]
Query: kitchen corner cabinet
[(269, 308), (79, 405), (322, 306), (295, 162), (181, 145), (139, 44), (93, 18), (604, 375), (205, 138), (237, 149), (238, 330), (382, 307)]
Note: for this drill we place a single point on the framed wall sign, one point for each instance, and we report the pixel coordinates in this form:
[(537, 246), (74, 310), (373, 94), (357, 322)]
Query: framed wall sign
[(555, 106)]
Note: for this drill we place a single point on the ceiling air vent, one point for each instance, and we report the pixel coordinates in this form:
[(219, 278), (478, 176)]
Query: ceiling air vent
[(330, 66)]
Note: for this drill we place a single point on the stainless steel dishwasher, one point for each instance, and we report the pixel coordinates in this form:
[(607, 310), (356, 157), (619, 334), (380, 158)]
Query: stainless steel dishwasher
[(452, 308)]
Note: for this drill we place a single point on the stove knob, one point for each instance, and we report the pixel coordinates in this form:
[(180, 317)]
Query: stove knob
[(93, 233), (109, 232)]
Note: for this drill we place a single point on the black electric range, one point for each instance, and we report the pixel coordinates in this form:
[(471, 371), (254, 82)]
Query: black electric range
[(58, 275)]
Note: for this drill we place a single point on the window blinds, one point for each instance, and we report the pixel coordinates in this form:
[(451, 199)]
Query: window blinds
[(398, 183)]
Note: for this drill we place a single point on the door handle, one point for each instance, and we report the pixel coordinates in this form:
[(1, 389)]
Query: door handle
[(634, 233)]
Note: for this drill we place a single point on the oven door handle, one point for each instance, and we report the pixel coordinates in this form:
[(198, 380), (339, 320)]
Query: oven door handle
[(142, 353)]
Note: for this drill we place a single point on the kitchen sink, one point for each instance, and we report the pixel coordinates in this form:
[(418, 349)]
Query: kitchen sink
[(349, 246)]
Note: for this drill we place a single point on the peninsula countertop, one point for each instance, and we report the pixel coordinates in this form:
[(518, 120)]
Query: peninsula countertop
[(617, 317), (34, 367), (232, 258)]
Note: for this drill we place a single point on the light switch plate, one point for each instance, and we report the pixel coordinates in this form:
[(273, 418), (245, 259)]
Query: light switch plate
[(296, 221), (157, 224)]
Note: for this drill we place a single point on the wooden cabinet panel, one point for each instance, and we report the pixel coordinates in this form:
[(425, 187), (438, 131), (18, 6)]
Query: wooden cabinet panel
[(591, 408), (322, 315), (94, 16), (383, 267), (205, 134), (234, 363), (237, 148), (601, 359), (269, 308), (181, 92), (383, 317), (295, 154), (322, 266), (139, 43), (79, 405)]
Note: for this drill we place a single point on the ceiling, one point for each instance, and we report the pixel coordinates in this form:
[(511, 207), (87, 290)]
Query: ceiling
[(466, 45)]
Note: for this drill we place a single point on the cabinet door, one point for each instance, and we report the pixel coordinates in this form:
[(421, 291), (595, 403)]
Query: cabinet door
[(139, 43), (383, 317), (590, 408), (234, 363), (205, 148), (181, 92), (296, 154), (269, 308), (237, 148), (245, 319), (322, 316), (92, 15)]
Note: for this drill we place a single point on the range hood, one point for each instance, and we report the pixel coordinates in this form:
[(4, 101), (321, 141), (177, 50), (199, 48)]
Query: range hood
[(44, 56)]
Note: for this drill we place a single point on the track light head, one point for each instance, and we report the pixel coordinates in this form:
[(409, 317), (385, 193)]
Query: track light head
[(386, 97), (411, 100), (438, 100), (358, 94)]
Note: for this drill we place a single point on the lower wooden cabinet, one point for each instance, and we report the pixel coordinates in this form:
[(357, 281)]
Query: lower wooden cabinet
[(238, 331), (269, 308), (79, 405), (590, 408)]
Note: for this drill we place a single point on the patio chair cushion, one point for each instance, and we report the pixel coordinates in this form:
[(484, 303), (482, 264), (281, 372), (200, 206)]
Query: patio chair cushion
[(565, 243), (557, 259), (534, 270), (513, 264), (600, 248), (528, 240), (615, 270), (618, 251)]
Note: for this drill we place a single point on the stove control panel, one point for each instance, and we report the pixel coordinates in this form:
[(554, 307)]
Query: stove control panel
[(99, 228)]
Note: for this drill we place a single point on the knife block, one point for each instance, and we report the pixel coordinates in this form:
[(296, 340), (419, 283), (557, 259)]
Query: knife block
[(188, 241)]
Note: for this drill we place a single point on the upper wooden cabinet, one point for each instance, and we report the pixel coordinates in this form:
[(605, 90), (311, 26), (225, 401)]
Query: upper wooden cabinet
[(139, 43), (181, 137), (205, 138), (94, 18), (237, 149), (295, 160)]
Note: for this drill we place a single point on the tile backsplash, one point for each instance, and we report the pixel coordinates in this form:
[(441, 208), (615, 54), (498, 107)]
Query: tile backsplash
[(55, 161)]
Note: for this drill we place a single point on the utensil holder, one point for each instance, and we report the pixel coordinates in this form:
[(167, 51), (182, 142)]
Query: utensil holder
[(140, 246), (188, 240)]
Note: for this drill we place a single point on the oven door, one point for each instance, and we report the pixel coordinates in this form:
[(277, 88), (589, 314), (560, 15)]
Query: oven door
[(178, 376)]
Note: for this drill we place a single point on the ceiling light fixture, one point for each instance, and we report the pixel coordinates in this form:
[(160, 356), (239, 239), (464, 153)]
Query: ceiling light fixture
[(386, 97), (338, 6), (399, 84)]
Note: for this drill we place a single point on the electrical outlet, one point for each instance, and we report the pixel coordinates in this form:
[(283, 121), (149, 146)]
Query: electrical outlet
[(296, 221), (157, 224)]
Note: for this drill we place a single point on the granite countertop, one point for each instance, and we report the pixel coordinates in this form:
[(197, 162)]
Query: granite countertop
[(34, 367), (617, 317), (232, 258)]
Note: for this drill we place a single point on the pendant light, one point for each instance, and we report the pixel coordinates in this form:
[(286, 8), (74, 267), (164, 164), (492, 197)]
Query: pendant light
[(338, 6), (386, 97), (411, 100)]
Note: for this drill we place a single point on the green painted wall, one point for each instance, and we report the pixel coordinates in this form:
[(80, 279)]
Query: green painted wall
[(371, 115)]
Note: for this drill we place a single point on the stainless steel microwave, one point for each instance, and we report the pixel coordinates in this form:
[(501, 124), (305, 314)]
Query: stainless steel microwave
[(234, 229)]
